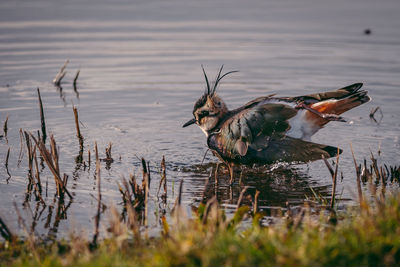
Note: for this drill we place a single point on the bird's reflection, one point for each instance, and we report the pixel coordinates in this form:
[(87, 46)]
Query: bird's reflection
[(279, 185)]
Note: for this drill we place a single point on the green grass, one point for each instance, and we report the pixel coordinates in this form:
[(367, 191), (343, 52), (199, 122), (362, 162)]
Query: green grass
[(368, 236)]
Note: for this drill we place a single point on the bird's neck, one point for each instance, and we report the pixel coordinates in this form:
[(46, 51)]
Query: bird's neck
[(214, 125)]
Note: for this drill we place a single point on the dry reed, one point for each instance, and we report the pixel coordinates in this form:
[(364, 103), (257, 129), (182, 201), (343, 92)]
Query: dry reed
[(51, 159), (97, 218), (42, 121), (163, 180), (60, 75)]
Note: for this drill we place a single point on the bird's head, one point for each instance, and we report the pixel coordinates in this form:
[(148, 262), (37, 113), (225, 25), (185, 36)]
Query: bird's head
[(209, 108)]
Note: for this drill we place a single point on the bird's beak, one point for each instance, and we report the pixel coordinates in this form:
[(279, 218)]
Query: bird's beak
[(189, 123)]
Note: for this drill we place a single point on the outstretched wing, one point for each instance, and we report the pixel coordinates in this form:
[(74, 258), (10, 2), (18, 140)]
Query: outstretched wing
[(244, 128)]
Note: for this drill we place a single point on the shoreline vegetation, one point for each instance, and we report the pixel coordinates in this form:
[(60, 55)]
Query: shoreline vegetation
[(315, 234)]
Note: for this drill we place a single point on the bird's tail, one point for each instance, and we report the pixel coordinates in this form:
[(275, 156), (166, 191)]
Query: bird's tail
[(337, 102), (341, 105)]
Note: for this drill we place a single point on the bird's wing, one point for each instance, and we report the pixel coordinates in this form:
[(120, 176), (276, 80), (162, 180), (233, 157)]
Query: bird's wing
[(288, 149), (266, 150), (337, 94), (243, 128)]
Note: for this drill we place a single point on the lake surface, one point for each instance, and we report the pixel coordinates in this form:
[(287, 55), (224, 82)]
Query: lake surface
[(140, 74)]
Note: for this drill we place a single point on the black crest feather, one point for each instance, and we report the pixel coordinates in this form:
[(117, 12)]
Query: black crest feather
[(210, 91)]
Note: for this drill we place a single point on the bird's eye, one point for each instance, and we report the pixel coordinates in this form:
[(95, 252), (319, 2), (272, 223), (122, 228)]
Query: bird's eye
[(204, 113)]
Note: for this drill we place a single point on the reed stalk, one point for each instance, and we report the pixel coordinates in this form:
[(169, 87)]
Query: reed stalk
[(97, 218), (51, 159), (163, 180), (60, 75), (78, 130), (42, 120), (358, 177)]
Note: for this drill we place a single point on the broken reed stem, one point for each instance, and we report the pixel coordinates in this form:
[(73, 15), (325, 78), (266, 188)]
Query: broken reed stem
[(51, 159), (163, 181), (134, 187), (126, 195), (60, 75), (178, 201), (358, 173), (146, 186), (42, 121), (97, 219), (108, 153), (241, 197), (54, 156), (379, 175), (144, 173), (176, 210), (375, 166), (78, 131)]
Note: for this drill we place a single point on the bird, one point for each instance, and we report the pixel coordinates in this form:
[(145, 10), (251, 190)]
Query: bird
[(271, 129)]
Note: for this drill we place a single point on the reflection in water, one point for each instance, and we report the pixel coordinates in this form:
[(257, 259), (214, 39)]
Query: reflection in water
[(61, 93), (39, 209), (379, 117), (74, 84), (61, 214), (279, 185)]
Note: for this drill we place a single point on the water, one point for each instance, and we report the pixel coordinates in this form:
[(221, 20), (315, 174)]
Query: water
[(140, 76)]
